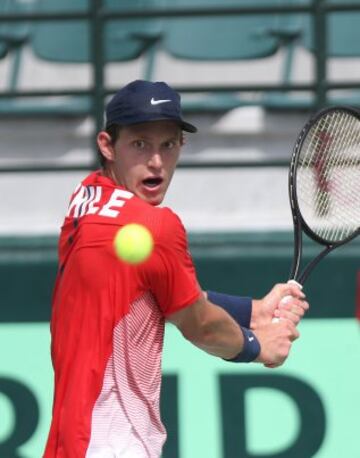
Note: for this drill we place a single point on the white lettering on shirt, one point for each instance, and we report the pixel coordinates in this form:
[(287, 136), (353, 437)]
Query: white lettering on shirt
[(96, 196), (87, 198), (117, 200), (90, 191), (75, 205)]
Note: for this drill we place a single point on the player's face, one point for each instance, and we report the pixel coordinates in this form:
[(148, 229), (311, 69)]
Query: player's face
[(144, 158)]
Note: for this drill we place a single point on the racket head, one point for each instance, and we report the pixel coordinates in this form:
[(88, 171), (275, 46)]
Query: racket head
[(324, 176)]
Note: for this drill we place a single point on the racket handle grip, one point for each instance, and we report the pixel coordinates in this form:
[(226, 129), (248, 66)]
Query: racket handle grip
[(287, 298), (294, 282)]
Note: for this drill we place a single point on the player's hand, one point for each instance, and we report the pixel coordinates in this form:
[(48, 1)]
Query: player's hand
[(291, 309), (275, 340), (273, 305)]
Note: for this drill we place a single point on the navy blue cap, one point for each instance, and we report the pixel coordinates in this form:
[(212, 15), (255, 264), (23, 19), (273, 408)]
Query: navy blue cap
[(144, 101)]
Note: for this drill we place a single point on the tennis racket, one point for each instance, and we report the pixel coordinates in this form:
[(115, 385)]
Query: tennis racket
[(324, 185)]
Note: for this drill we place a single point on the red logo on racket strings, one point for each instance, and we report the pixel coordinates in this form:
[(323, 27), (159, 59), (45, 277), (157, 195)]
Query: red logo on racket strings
[(322, 204)]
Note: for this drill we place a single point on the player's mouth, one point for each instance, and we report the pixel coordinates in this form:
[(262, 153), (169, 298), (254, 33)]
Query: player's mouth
[(152, 184)]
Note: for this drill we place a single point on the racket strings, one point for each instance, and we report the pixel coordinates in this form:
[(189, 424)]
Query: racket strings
[(324, 143), (328, 179), (335, 159)]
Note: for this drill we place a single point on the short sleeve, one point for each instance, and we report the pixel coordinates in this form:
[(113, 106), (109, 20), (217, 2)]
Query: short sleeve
[(170, 274)]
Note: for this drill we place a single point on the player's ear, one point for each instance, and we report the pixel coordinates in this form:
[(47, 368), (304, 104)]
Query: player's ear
[(105, 145)]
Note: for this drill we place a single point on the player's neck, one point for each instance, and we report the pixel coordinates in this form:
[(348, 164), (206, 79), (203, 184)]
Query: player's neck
[(109, 173)]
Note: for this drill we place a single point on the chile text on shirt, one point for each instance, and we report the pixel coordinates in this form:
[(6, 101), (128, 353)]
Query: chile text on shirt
[(86, 199)]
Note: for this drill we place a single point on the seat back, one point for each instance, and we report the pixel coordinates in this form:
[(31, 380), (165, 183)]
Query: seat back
[(14, 34), (343, 34), (68, 41), (223, 37)]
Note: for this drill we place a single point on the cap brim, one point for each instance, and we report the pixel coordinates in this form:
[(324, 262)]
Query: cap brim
[(188, 127), (184, 125)]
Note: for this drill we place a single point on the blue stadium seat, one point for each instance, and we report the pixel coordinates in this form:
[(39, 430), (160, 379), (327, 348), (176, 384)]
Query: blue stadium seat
[(61, 41), (343, 41), (14, 35), (220, 38), (230, 38), (68, 41), (3, 41), (343, 33)]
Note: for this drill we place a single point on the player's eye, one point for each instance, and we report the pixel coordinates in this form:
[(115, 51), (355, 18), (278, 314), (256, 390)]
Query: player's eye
[(139, 144), (170, 144)]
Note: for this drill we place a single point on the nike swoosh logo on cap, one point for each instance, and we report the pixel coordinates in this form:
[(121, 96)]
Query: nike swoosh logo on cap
[(158, 102)]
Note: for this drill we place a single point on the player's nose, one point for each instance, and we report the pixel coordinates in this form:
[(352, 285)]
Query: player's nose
[(155, 160)]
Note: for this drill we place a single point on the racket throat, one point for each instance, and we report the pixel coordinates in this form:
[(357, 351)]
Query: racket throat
[(309, 268)]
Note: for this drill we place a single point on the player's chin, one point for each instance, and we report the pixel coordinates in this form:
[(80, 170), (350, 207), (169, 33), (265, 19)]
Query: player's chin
[(153, 195), (155, 201), (152, 198)]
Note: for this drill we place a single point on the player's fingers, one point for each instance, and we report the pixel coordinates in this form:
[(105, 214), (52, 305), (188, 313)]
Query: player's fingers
[(290, 330), (305, 305), (272, 366), (295, 306), (287, 331), (294, 291), (285, 315), (281, 293), (295, 318), (281, 290), (294, 333)]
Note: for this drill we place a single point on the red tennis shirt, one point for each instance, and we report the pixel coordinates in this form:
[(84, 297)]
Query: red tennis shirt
[(107, 325)]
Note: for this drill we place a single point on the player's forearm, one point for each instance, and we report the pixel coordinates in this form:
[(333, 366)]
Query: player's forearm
[(215, 331), (218, 335), (210, 328)]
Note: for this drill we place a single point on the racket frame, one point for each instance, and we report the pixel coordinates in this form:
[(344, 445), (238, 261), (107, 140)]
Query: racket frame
[(299, 222)]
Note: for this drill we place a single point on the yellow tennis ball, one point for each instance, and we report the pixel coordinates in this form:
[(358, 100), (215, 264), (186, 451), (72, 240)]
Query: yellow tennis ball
[(133, 243)]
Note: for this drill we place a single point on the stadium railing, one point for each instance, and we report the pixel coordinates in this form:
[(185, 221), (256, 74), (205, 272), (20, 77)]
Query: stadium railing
[(102, 14)]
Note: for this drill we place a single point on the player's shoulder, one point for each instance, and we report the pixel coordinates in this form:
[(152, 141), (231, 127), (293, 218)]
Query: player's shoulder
[(170, 218), (162, 221), (164, 213), (172, 231)]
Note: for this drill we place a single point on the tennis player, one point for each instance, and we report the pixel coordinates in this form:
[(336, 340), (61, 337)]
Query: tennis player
[(108, 317)]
